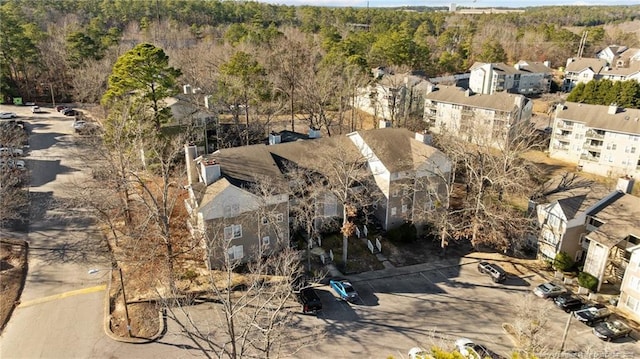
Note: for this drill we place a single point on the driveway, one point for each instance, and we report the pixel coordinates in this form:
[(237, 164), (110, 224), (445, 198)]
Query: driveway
[(437, 303), (61, 303)]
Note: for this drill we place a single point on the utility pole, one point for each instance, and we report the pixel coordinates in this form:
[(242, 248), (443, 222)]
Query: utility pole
[(566, 331), (124, 299)]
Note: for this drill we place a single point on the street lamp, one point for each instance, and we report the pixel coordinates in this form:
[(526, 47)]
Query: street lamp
[(124, 296)]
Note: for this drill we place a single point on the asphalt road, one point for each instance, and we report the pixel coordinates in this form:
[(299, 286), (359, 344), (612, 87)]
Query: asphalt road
[(62, 306)]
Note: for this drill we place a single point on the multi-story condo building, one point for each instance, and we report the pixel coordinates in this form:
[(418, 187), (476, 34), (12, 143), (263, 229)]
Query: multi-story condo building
[(240, 202), (604, 140), (615, 63), (525, 77), (478, 118)]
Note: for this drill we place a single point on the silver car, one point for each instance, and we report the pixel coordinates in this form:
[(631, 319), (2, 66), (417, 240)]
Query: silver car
[(548, 290)]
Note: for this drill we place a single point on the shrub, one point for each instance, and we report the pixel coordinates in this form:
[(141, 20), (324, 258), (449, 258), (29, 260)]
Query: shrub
[(563, 262), (588, 281), (406, 232)]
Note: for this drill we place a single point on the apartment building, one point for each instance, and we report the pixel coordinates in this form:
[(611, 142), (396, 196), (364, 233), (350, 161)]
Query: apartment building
[(604, 140), (525, 77), (615, 63), (474, 117), (240, 199)]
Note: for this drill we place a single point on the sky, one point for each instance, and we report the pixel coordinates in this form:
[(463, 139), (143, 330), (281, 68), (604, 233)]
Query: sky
[(464, 3)]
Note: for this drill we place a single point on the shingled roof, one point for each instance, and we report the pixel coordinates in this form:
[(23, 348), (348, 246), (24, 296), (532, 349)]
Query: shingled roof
[(597, 116), (579, 65), (621, 217), (501, 101)]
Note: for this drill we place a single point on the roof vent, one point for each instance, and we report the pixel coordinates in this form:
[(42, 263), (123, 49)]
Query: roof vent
[(613, 109)]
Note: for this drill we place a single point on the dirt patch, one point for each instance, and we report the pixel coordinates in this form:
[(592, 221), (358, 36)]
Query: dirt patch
[(13, 270)]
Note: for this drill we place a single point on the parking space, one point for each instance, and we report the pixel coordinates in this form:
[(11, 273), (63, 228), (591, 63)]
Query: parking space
[(436, 306)]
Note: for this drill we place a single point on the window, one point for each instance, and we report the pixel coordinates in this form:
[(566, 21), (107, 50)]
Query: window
[(632, 303), (404, 208), (233, 231), (266, 241), (405, 191), (231, 210), (549, 237), (265, 220), (393, 211), (395, 193), (235, 253), (633, 150), (279, 217)]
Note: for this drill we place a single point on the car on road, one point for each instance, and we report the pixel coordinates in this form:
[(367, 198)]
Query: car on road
[(548, 290), (471, 350), (69, 112), (611, 330), (494, 271), (310, 300), (12, 164), (568, 302), (419, 353), (344, 289), (8, 115), (36, 109), (59, 108), (592, 314), (9, 151)]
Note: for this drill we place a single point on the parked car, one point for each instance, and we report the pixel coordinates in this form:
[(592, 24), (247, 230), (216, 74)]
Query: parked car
[(36, 109), (310, 300), (13, 164), (610, 330), (344, 289), (59, 108), (568, 302), (548, 290), (494, 271), (79, 125), (471, 350), (9, 151), (419, 353), (8, 115), (592, 314), (70, 112)]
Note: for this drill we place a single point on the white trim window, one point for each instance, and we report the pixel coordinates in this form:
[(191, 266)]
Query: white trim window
[(235, 253), (394, 210), (233, 231), (395, 193), (280, 217), (266, 240), (404, 208)]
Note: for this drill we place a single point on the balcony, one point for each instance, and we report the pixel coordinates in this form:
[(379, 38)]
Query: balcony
[(565, 137), (561, 147), (591, 147), (590, 158), (565, 125), (595, 134)]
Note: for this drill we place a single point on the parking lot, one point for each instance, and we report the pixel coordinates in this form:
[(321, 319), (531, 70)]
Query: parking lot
[(427, 305)]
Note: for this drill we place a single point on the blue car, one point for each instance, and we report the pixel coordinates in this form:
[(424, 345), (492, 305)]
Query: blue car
[(344, 289)]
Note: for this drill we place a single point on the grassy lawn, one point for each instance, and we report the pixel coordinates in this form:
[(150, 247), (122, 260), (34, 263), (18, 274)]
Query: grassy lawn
[(359, 259)]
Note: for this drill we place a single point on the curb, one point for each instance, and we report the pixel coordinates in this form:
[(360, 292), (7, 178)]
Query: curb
[(131, 340)]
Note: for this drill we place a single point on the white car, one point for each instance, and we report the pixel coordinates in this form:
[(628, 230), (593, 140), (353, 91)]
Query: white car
[(419, 353), (36, 109), (13, 164), (7, 115), (471, 350), (8, 151)]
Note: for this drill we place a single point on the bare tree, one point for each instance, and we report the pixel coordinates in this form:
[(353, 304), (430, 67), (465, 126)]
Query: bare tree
[(492, 177), (347, 178), (249, 298)]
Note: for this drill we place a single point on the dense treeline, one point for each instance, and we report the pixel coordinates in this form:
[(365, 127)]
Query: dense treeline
[(625, 94), (68, 46)]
